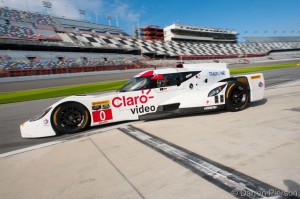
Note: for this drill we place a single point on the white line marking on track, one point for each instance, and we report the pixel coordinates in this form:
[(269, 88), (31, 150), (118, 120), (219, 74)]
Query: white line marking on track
[(39, 146), (230, 180), (73, 137)]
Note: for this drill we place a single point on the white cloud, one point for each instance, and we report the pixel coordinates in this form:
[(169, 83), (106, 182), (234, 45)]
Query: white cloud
[(69, 8), (124, 12), (59, 7), (127, 16)]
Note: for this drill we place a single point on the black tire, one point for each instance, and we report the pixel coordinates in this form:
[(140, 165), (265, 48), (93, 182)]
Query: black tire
[(70, 117), (236, 97)]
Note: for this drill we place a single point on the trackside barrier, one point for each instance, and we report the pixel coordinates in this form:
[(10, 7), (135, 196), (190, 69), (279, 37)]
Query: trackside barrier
[(73, 69), (218, 56)]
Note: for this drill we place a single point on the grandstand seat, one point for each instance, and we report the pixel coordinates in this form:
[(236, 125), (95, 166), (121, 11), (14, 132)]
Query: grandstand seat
[(10, 31)]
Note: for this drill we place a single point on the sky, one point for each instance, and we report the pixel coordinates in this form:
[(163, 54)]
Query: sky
[(248, 17)]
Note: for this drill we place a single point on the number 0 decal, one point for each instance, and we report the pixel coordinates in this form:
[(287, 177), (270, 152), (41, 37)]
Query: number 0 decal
[(102, 115)]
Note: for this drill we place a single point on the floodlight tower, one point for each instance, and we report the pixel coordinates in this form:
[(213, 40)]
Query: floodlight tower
[(117, 20), (96, 15), (109, 17), (47, 5), (82, 13)]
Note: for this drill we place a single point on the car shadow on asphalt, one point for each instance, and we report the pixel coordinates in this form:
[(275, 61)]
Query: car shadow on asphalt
[(257, 103), (215, 112)]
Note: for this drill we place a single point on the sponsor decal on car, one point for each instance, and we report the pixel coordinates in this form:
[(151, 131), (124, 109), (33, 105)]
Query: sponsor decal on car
[(104, 104), (123, 101), (102, 111), (210, 107), (45, 122), (219, 73), (255, 77), (138, 101), (143, 109), (260, 84), (188, 76)]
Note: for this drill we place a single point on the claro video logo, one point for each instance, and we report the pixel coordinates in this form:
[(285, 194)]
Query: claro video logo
[(130, 101), (124, 101)]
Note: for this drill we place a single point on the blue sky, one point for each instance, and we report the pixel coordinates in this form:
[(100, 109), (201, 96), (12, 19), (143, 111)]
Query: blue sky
[(248, 17)]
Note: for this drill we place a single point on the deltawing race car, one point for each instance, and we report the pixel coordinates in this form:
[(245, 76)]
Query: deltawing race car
[(151, 94)]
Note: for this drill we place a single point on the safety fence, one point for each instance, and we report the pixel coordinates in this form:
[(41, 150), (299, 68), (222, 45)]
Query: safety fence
[(62, 70)]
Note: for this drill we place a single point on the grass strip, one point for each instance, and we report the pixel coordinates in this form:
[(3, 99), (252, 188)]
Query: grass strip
[(35, 94), (262, 68)]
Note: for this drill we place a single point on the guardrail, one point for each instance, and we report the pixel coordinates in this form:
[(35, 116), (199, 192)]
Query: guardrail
[(188, 57), (61, 70)]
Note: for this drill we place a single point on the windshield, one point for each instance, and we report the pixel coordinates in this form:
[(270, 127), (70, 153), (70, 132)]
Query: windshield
[(136, 83)]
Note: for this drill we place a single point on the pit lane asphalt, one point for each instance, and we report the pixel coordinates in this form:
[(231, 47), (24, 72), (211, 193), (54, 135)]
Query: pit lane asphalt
[(12, 115)]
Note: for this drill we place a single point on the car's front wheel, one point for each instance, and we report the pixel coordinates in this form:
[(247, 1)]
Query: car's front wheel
[(237, 96), (70, 117)]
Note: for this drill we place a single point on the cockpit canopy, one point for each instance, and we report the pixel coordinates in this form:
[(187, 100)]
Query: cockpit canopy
[(157, 81), (136, 83)]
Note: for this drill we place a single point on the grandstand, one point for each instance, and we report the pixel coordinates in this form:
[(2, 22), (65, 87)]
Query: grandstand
[(86, 26), (152, 33), (37, 41), (181, 32)]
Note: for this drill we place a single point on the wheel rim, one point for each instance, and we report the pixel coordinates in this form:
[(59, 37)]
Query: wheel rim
[(71, 117), (238, 97)]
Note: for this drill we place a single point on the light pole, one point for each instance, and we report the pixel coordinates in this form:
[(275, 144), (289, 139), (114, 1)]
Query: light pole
[(96, 14), (109, 17), (117, 21), (138, 28), (47, 5), (82, 13)]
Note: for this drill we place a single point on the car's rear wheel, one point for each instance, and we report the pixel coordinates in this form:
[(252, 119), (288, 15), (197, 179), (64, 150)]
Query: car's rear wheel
[(237, 96), (70, 117)]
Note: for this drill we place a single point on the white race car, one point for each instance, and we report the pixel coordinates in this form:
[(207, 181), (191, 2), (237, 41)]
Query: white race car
[(150, 95)]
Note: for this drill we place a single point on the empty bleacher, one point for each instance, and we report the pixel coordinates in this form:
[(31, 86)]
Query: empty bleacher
[(23, 28), (67, 32), (24, 63), (176, 48)]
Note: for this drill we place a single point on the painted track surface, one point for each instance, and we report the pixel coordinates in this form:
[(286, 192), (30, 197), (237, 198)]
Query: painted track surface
[(12, 115)]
